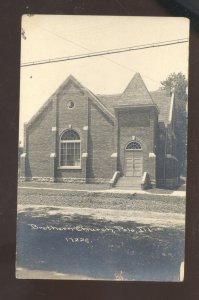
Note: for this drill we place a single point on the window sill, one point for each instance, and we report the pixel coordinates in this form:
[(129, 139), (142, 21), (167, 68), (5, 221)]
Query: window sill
[(70, 168)]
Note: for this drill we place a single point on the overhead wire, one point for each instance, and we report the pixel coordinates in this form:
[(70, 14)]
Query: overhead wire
[(103, 57), (106, 52)]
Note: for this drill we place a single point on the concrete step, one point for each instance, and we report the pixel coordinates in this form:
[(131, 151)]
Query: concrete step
[(129, 182), (137, 187)]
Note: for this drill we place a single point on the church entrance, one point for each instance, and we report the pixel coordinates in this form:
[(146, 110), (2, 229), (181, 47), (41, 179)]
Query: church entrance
[(133, 160)]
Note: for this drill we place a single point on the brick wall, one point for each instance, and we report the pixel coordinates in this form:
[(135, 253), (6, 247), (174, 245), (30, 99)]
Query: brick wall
[(135, 123), (77, 118), (39, 145), (100, 144), (98, 166)]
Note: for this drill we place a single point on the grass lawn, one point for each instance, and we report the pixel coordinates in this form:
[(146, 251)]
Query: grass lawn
[(73, 186), (74, 198)]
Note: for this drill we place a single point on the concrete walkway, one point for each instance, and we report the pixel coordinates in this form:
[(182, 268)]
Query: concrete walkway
[(107, 191)]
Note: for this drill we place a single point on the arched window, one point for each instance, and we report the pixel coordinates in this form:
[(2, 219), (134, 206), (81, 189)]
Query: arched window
[(70, 149), (133, 146)]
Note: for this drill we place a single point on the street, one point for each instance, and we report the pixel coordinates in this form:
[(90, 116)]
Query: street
[(96, 243)]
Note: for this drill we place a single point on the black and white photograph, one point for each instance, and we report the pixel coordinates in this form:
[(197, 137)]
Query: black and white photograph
[(102, 154)]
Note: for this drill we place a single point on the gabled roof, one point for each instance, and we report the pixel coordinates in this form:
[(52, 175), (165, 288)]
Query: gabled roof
[(141, 96), (72, 79), (110, 101), (136, 93), (92, 96), (160, 98)]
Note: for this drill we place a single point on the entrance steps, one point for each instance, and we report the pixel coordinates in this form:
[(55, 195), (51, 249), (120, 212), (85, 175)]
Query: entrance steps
[(133, 183)]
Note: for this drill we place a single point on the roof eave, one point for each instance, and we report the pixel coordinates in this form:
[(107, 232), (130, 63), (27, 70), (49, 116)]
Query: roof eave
[(127, 106)]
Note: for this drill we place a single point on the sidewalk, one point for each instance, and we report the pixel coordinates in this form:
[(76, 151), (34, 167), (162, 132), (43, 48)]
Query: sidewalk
[(91, 189)]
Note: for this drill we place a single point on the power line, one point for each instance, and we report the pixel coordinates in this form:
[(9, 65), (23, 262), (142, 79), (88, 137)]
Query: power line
[(107, 52), (103, 57)]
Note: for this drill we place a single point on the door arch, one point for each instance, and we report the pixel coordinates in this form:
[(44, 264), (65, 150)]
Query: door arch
[(133, 157)]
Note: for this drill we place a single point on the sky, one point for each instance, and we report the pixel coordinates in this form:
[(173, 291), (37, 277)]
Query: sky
[(51, 36)]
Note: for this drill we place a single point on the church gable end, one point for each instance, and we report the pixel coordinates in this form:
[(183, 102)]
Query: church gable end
[(104, 125)]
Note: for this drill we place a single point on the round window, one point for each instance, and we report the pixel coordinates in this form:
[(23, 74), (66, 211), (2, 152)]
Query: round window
[(70, 104)]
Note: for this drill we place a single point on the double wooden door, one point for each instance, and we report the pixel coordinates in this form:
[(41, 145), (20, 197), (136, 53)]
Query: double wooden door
[(133, 163)]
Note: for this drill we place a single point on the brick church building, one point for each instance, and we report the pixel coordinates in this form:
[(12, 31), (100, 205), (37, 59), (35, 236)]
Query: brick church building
[(126, 139)]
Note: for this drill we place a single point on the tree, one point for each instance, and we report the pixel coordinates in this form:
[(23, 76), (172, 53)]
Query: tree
[(179, 83)]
